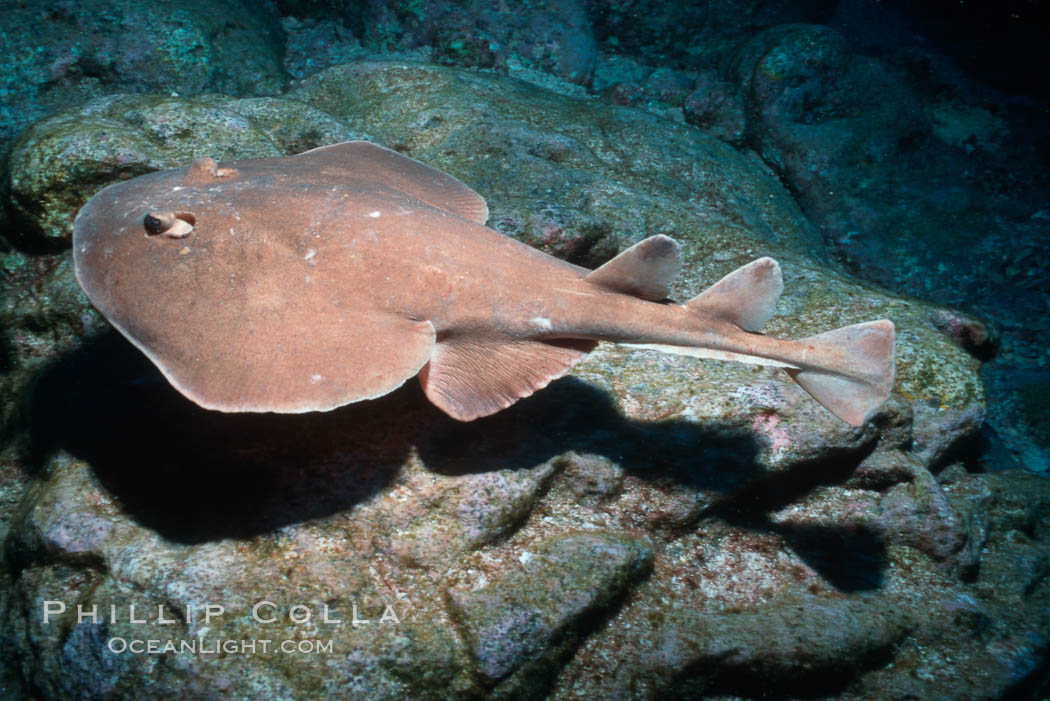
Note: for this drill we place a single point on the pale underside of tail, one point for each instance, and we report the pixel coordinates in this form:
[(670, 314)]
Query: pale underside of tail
[(711, 354)]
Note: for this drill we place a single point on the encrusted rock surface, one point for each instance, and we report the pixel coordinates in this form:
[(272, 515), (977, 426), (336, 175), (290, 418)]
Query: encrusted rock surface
[(653, 527), (923, 184), (57, 54), (554, 36), (530, 614)]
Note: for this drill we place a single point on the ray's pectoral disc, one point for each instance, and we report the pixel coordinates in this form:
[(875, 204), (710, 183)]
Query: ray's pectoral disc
[(249, 287)]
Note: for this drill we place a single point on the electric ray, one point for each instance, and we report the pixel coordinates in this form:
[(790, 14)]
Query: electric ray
[(307, 282)]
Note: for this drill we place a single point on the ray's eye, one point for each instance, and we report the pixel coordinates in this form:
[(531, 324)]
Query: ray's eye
[(175, 225), (158, 222)]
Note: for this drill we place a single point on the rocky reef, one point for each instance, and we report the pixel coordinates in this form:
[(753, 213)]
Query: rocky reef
[(57, 54), (650, 527)]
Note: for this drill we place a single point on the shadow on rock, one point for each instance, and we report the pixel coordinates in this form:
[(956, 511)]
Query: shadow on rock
[(572, 415), (851, 558), (195, 475)]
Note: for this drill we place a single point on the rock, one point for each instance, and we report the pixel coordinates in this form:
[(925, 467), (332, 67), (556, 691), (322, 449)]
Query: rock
[(127, 566), (919, 514), (625, 94), (468, 511), (570, 216), (891, 158), (553, 36), (613, 69), (978, 337), (1019, 425), (716, 107), (933, 425), (668, 86), (786, 644), (63, 53), (316, 43), (650, 527), (43, 314), (847, 133), (593, 480), (692, 34), (563, 580)]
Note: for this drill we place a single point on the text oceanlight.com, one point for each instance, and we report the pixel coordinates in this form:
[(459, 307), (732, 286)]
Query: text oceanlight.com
[(201, 646)]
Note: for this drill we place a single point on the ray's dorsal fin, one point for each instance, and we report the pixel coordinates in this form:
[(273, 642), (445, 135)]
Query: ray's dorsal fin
[(746, 297), (399, 172), (472, 377), (643, 270)]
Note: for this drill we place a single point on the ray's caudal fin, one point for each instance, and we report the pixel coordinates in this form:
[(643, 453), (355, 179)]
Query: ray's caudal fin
[(854, 389), (850, 371)]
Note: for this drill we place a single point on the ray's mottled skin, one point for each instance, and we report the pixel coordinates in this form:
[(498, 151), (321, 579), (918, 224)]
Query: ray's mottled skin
[(307, 282)]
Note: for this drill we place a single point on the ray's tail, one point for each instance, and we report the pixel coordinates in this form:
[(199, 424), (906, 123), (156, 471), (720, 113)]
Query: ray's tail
[(850, 371)]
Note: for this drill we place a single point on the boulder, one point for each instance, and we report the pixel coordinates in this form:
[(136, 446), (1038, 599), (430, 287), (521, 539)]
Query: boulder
[(59, 54), (651, 526)]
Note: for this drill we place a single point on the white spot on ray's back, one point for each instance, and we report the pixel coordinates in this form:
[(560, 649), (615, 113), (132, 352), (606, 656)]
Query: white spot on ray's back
[(315, 378), (541, 322), (310, 253), (374, 215)]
